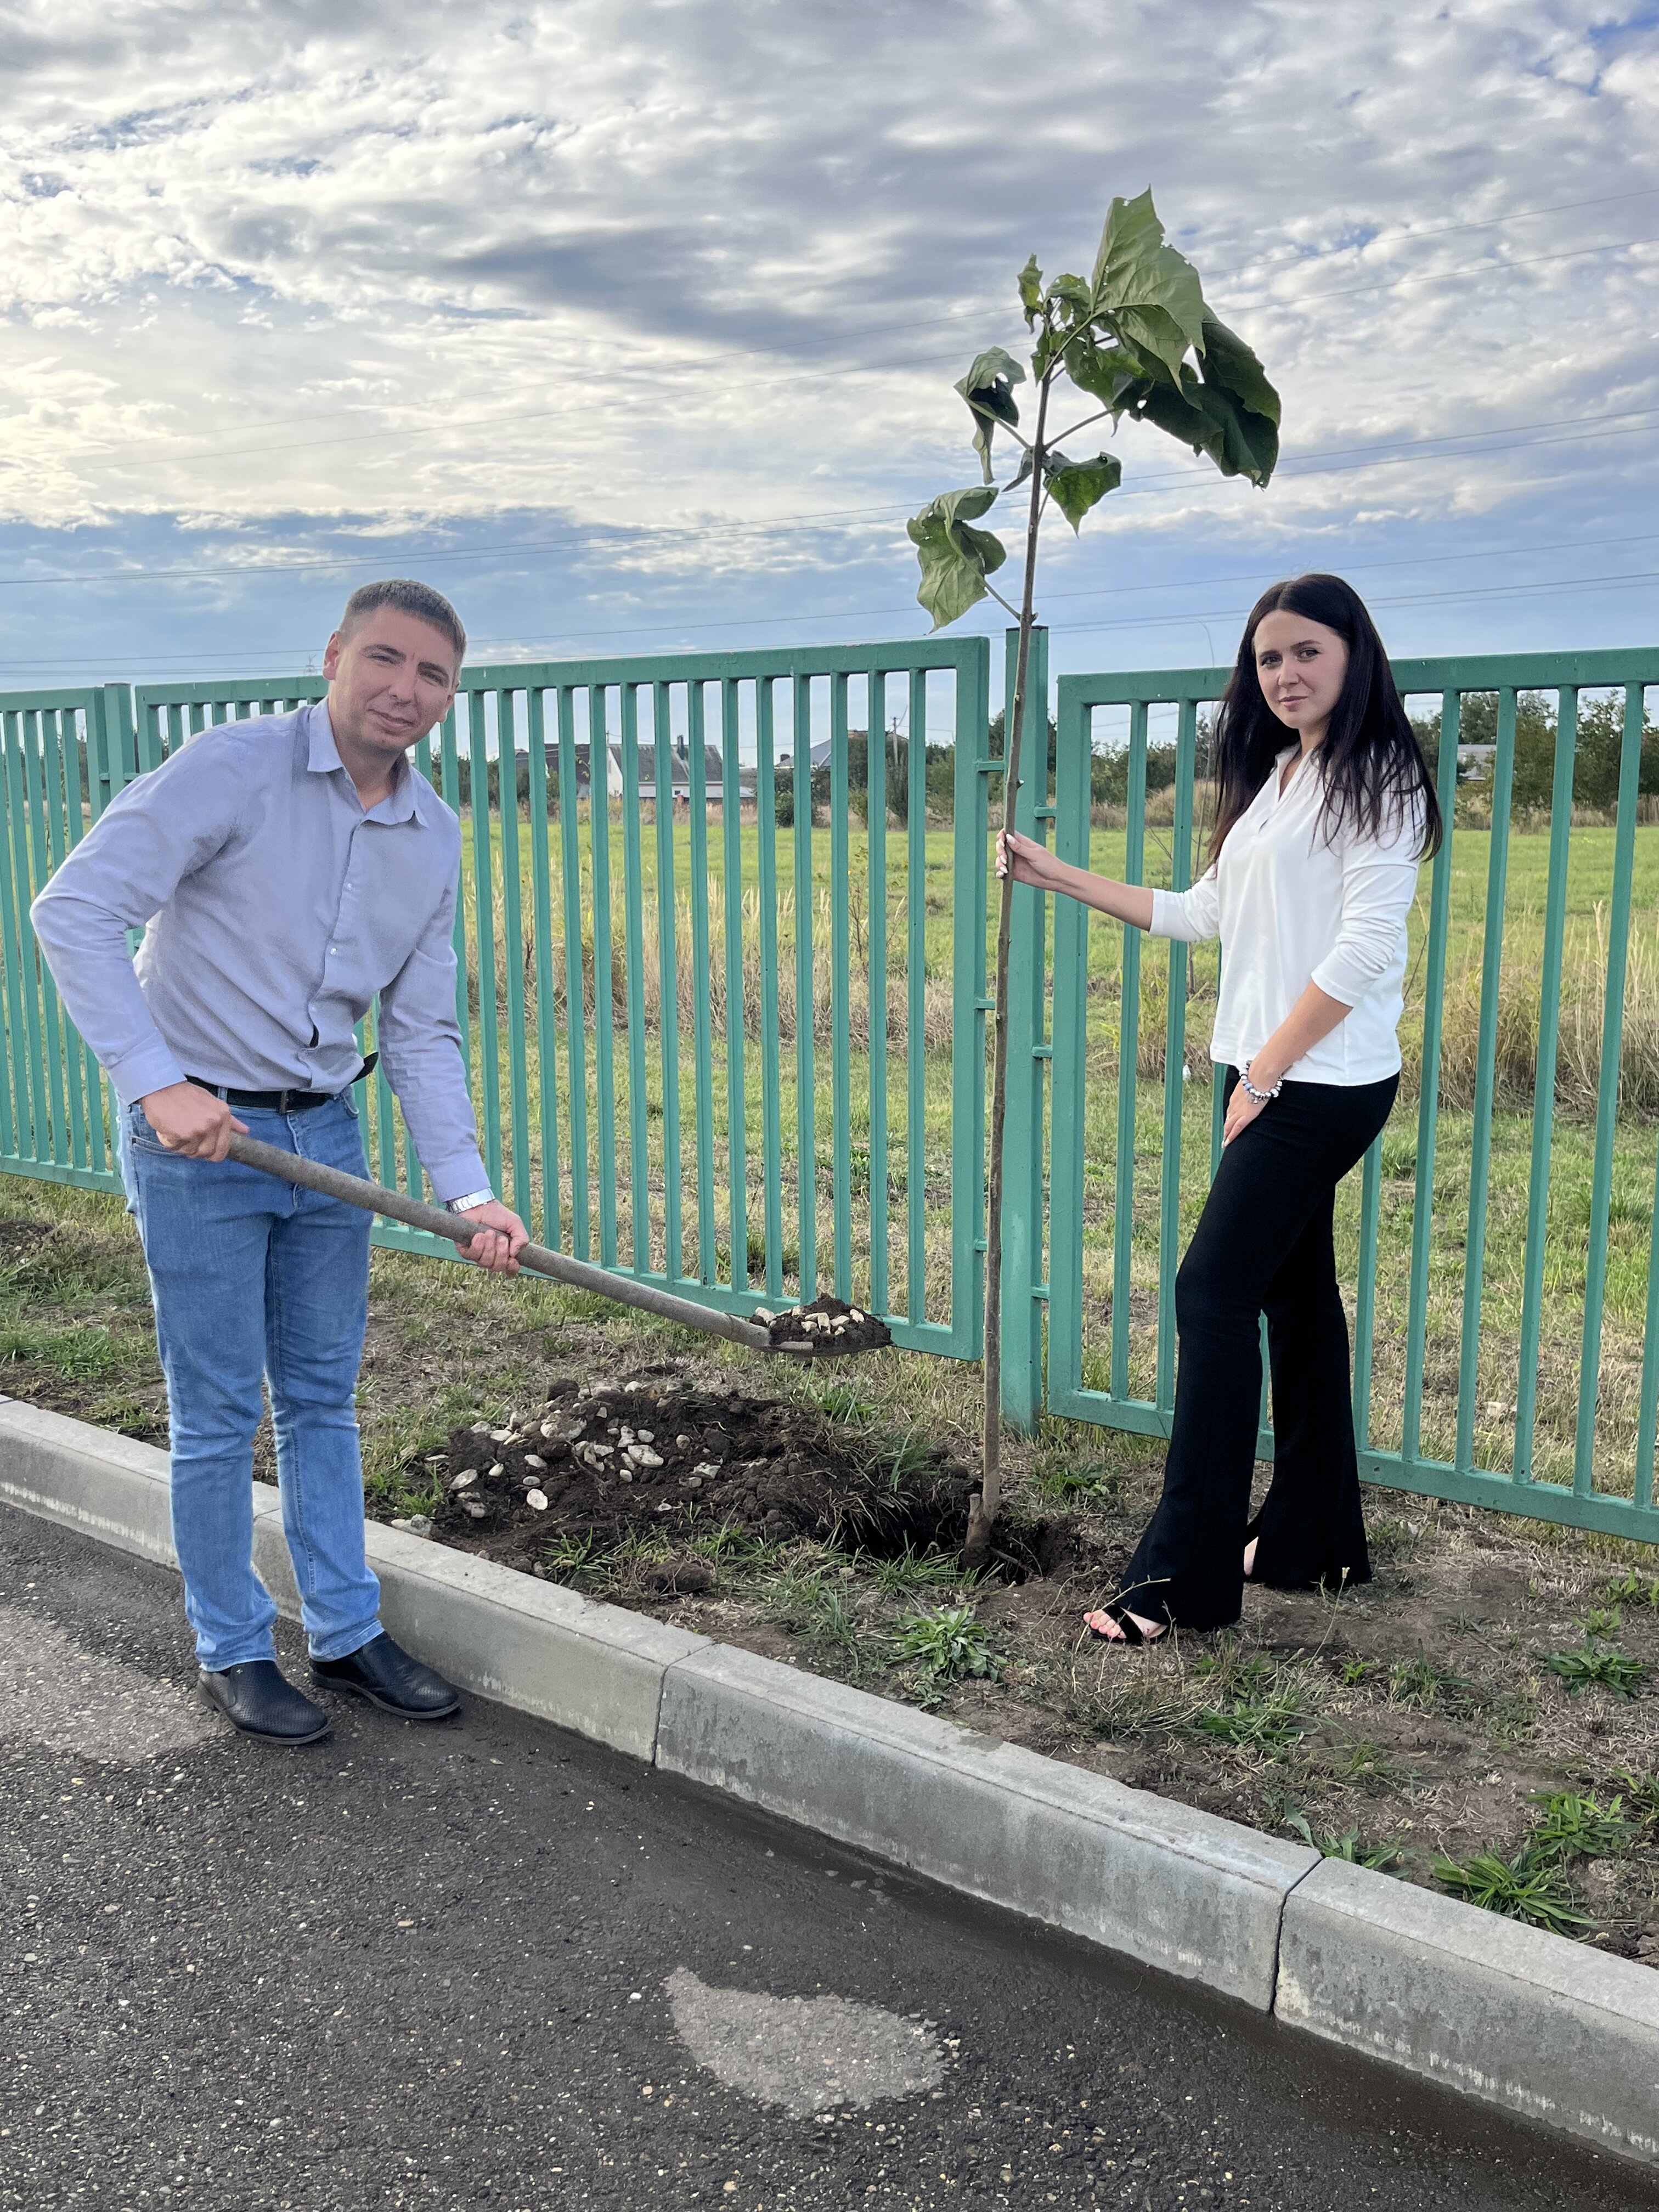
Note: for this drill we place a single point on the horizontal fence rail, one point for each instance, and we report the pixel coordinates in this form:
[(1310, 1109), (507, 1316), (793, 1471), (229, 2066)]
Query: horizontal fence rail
[(1500, 1234), (721, 983)]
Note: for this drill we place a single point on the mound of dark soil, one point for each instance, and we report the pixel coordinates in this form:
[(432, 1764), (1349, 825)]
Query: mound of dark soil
[(663, 1448)]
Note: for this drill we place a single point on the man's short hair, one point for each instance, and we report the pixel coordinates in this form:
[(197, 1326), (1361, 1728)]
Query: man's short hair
[(410, 599)]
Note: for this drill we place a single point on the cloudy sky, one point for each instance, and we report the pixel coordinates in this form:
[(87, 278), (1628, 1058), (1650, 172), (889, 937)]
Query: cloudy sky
[(633, 326)]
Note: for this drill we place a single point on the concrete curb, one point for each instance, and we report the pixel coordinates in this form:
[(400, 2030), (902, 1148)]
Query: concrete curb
[(1519, 2019)]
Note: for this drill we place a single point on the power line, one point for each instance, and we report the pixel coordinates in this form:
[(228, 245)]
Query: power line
[(1387, 453), (577, 639)]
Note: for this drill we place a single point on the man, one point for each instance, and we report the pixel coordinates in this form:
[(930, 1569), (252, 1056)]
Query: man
[(287, 871)]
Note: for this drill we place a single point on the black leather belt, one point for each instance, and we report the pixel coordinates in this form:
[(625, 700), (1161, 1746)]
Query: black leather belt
[(281, 1101)]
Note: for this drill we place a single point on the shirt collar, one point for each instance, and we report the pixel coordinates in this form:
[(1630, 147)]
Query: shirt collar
[(402, 802)]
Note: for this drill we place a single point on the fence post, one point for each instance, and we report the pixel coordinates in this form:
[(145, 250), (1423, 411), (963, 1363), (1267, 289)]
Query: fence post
[(1023, 1177)]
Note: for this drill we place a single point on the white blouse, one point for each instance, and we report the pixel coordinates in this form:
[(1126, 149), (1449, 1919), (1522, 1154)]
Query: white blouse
[(1292, 907)]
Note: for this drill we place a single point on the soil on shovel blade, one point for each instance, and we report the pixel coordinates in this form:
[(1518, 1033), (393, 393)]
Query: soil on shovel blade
[(668, 1450)]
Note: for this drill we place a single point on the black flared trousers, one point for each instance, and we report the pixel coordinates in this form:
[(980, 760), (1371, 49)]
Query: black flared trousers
[(1263, 1244)]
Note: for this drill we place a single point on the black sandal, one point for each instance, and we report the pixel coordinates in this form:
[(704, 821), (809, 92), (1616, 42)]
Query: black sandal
[(1133, 1633)]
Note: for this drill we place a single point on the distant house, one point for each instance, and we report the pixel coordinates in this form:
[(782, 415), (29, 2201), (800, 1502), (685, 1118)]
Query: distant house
[(679, 772)]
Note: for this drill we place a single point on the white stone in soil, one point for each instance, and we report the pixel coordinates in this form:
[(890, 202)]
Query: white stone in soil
[(497, 1469), (536, 1500), (466, 1478), (645, 1436), (531, 1459)]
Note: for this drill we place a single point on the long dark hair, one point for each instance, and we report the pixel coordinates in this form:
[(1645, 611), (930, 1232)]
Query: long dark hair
[(1372, 765)]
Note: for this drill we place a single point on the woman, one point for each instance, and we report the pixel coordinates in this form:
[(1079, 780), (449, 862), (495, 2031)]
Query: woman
[(1324, 808)]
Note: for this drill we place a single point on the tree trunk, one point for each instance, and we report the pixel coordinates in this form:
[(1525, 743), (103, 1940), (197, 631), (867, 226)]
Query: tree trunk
[(987, 1502)]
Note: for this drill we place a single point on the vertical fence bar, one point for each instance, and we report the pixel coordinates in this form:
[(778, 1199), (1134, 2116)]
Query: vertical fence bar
[(1365, 1323), (1123, 1202), (806, 1139), (766, 813), (1428, 1104), (1485, 1077), (876, 822), (737, 1153), (60, 766), (1074, 747), (840, 986), (483, 933), (970, 855), (1647, 1396), (668, 969), (32, 1073), (14, 905), (541, 928), (1175, 1064), (449, 777), (1607, 1097), (507, 764), (701, 980), (605, 975), (576, 988), (41, 868), (633, 900), (915, 1005), (1543, 1091)]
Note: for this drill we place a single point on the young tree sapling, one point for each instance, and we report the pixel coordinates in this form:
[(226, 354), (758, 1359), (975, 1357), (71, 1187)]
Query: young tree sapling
[(1135, 337)]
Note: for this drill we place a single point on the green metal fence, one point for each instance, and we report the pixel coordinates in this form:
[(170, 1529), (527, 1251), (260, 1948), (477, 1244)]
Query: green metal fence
[(697, 1020), (723, 992), (1479, 1232)]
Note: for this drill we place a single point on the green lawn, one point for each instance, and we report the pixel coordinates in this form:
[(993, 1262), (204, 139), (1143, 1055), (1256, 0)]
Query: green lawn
[(681, 1128)]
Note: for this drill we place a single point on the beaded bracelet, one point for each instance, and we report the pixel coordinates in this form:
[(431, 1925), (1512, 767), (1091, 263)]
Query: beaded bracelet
[(1262, 1097)]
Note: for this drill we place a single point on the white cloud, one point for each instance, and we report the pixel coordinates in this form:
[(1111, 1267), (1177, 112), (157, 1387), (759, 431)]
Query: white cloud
[(639, 264)]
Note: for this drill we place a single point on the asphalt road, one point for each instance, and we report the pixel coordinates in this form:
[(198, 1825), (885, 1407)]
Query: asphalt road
[(485, 1965)]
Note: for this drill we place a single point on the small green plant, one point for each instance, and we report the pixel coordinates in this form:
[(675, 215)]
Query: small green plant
[(910, 1572), (1527, 1888), (1570, 1827), (1369, 1764), (1380, 1858), (1419, 1683), (1597, 1668), (802, 1598), (947, 1643), (1601, 1621), (578, 1560), (1634, 1589), (1351, 1672), (840, 1402), (1641, 1794), (1076, 1484), (1267, 1724)]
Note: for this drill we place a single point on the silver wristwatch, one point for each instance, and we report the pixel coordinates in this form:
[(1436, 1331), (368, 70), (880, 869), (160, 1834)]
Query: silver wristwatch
[(473, 1197)]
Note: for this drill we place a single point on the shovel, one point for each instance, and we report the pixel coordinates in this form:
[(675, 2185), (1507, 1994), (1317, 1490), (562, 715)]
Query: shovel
[(827, 1329)]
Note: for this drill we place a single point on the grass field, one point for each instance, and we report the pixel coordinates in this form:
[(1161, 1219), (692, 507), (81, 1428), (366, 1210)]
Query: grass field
[(682, 1129)]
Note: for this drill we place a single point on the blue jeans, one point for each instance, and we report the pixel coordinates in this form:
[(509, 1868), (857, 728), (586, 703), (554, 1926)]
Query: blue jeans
[(254, 1277)]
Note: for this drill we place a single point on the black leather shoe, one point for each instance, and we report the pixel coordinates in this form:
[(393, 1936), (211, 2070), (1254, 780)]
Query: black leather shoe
[(385, 1674), (256, 1698)]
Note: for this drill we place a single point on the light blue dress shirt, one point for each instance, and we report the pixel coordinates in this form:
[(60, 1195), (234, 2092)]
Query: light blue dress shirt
[(275, 911)]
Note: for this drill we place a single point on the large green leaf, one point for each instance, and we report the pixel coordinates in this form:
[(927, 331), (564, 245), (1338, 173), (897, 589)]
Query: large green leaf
[(1241, 442), (1143, 290), (1107, 373), (954, 558), (1078, 485), (988, 390), (1230, 364)]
